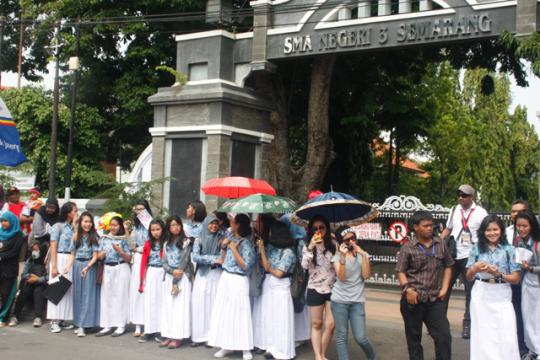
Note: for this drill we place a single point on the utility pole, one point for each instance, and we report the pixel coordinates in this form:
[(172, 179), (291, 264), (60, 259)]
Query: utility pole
[(73, 66), (2, 24), (21, 44), (54, 124)]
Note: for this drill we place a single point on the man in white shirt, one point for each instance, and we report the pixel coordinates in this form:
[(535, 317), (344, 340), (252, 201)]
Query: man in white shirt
[(511, 233), (463, 224)]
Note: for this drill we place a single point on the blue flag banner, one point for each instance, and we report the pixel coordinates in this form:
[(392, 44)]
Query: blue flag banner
[(11, 153)]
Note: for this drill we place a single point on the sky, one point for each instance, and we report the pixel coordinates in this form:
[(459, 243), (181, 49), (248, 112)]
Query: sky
[(527, 96)]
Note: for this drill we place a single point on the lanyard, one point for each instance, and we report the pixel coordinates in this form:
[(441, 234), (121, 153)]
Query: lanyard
[(423, 249), (465, 220)]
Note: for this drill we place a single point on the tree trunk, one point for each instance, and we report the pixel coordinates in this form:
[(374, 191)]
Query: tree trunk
[(319, 144), (296, 183)]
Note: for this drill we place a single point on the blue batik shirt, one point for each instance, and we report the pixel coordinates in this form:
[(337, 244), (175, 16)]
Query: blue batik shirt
[(106, 245), (204, 262), (85, 251), (281, 259), (174, 255), (529, 245), (63, 234), (503, 258), (139, 235), (154, 258), (246, 250), (192, 229)]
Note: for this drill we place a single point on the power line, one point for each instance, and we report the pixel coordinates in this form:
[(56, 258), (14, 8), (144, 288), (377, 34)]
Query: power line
[(201, 15)]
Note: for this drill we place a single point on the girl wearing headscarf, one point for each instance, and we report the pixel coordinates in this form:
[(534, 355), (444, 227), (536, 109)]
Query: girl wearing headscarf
[(32, 285), (44, 219), (206, 254), (11, 241), (61, 236), (275, 329), (176, 299), (137, 239), (195, 212), (86, 292), (231, 326), (114, 302), (151, 279)]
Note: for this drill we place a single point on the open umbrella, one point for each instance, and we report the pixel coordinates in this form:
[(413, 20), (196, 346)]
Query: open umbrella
[(339, 208), (233, 187), (259, 204), (11, 153)]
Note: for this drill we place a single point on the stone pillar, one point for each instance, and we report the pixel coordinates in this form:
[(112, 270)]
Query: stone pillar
[(364, 9), (426, 5), (262, 20), (212, 126), (405, 6), (385, 7), (344, 14), (526, 17)]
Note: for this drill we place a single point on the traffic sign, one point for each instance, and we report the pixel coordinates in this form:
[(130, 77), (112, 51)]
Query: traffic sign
[(398, 231)]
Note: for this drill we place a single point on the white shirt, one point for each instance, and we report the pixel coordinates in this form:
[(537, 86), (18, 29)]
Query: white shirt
[(510, 234), (455, 225)]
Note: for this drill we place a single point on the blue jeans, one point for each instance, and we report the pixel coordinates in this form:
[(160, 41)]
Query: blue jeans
[(356, 314)]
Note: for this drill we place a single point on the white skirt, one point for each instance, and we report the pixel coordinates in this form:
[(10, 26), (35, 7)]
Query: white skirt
[(530, 306), (153, 290), (176, 310), (115, 296), (302, 325), (273, 318), (202, 300), (64, 309), (136, 299), (231, 327), (493, 323)]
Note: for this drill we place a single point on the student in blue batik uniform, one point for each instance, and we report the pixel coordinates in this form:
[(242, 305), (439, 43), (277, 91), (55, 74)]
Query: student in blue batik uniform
[(114, 302), (302, 321), (492, 266), (137, 238), (176, 304), (275, 329), (151, 279), (528, 231), (231, 326), (86, 292), (195, 213), (61, 236), (206, 254)]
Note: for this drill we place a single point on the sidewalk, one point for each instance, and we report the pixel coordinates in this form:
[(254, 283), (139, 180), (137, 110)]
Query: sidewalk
[(385, 330)]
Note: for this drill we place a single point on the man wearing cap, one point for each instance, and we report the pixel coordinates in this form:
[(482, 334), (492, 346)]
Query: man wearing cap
[(462, 225)]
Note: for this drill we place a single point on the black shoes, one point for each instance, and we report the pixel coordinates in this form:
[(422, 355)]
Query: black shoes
[(466, 333)]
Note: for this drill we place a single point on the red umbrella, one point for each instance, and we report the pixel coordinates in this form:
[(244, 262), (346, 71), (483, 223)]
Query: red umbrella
[(233, 187)]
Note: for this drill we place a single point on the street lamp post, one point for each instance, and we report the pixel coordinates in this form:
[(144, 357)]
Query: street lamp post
[(54, 122), (73, 66)]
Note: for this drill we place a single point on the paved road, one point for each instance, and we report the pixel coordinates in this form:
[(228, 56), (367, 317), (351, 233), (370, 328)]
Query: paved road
[(385, 329)]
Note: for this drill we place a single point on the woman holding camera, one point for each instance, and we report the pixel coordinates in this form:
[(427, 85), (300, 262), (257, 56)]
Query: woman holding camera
[(352, 268)]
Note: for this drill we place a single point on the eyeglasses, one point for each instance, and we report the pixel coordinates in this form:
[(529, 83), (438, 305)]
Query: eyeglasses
[(350, 238), (139, 208), (318, 228), (463, 195)]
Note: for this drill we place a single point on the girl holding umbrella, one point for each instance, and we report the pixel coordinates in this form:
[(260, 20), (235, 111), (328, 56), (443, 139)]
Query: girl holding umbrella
[(231, 327)]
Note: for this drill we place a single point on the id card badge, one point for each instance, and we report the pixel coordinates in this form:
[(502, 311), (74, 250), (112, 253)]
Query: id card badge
[(466, 237)]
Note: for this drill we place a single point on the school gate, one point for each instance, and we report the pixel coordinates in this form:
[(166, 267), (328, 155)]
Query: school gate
[(214, 126)]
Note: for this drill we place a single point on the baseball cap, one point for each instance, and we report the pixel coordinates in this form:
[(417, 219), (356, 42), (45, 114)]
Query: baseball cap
[(466, 189)]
